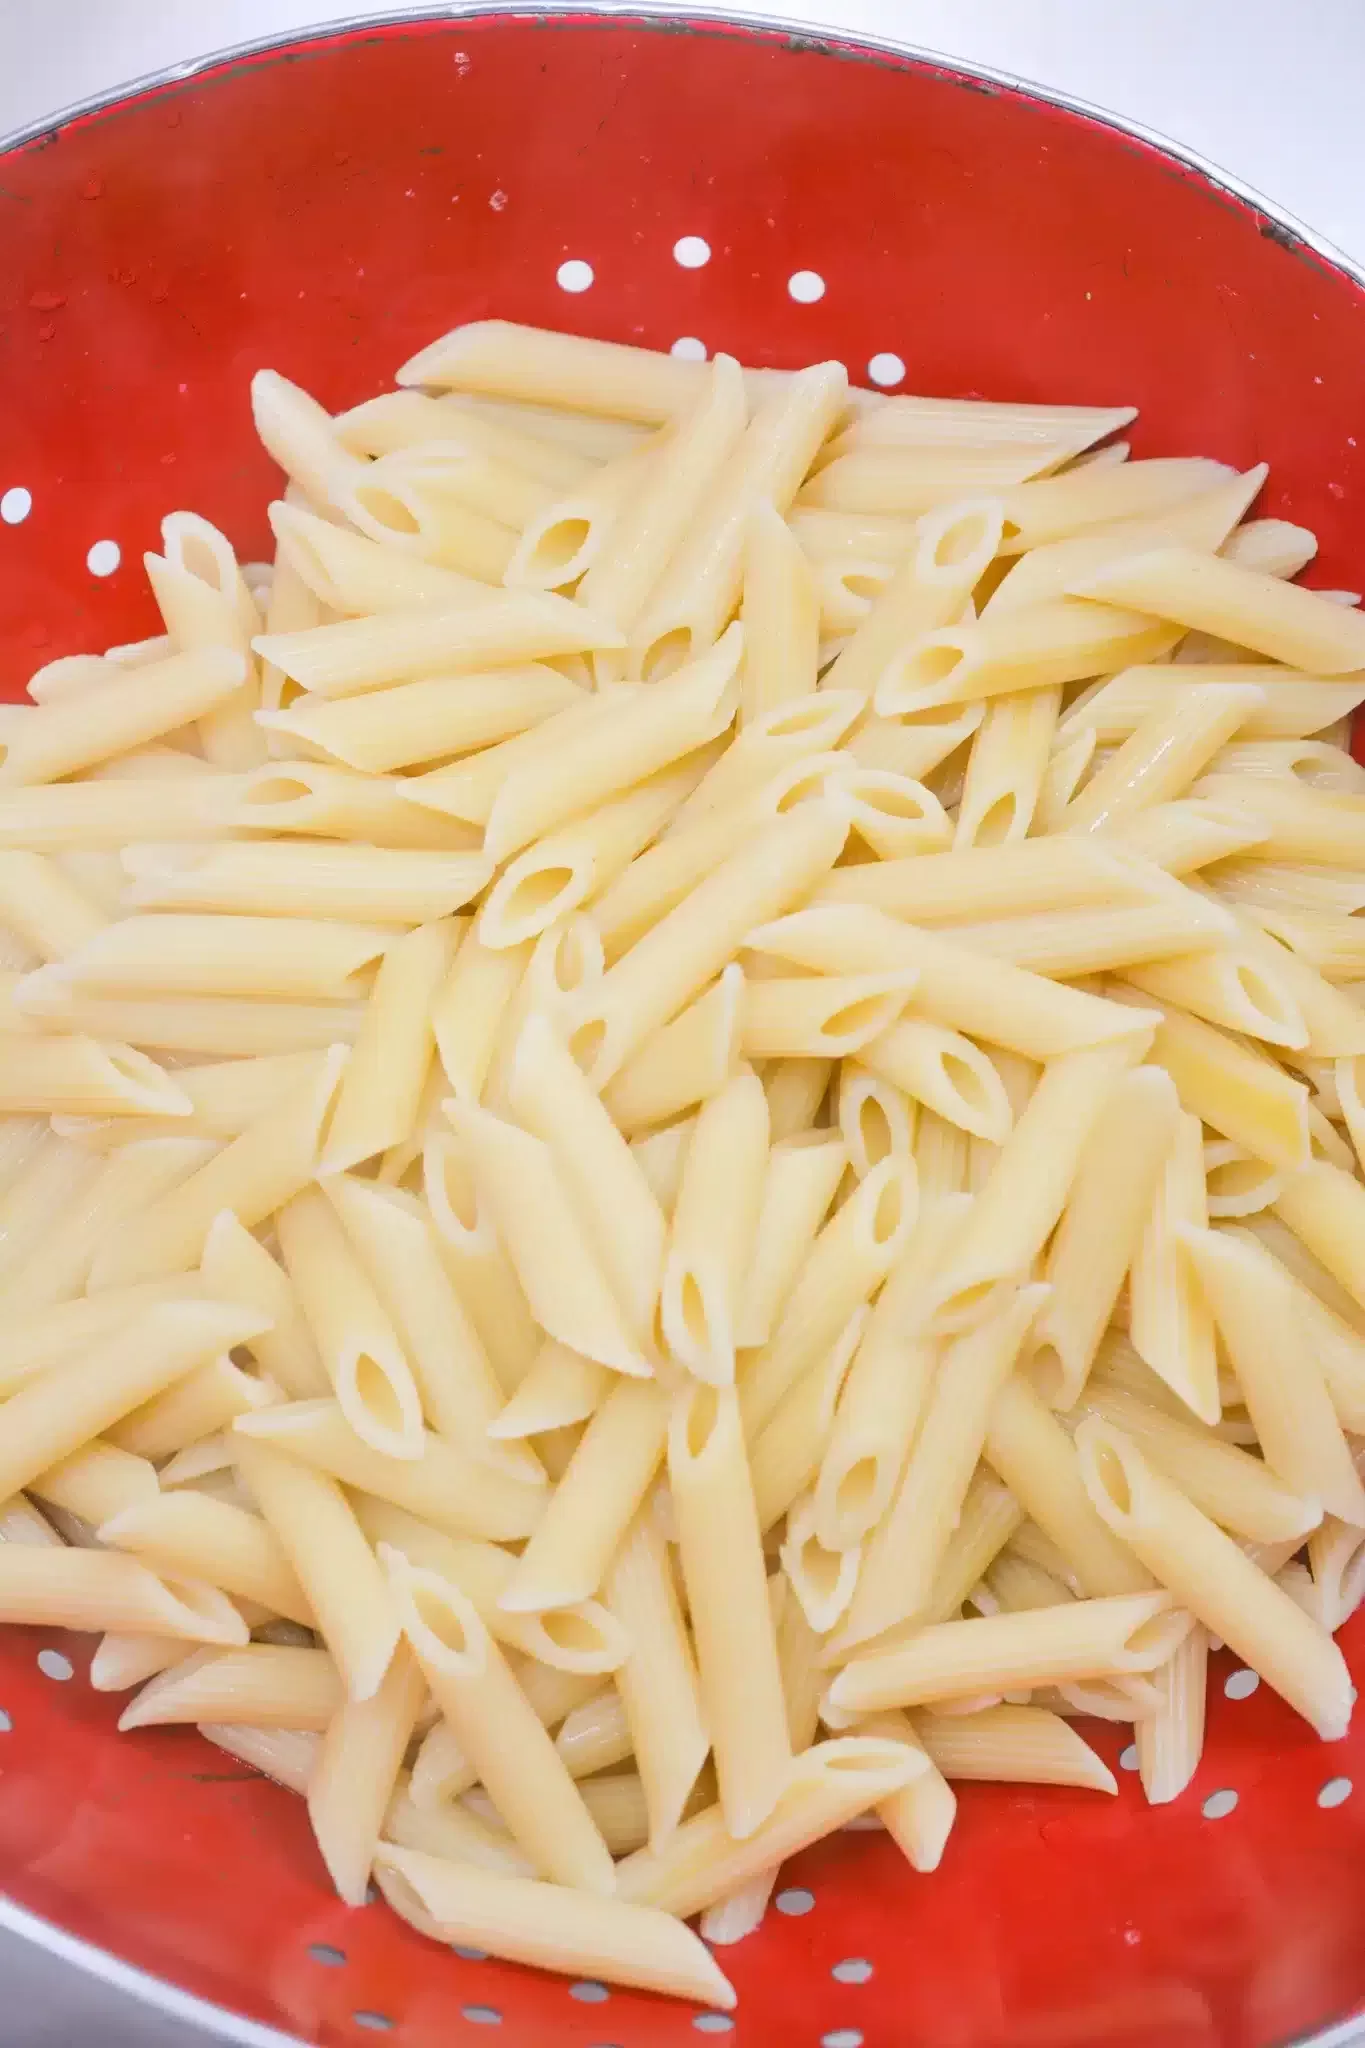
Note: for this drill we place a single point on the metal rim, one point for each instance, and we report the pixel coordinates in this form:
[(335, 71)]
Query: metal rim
[(215, 2021)]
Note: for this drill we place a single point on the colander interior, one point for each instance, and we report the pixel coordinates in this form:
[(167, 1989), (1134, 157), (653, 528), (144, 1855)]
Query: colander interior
[(327, 207)]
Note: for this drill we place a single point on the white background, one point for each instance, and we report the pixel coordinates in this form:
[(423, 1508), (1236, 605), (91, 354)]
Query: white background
[(1273, 90)]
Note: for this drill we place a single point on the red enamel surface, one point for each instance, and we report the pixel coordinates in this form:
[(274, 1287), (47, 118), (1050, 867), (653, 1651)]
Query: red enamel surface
[(325, 211)]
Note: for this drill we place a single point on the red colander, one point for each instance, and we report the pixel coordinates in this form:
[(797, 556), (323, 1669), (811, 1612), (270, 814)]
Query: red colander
[(326, 207)]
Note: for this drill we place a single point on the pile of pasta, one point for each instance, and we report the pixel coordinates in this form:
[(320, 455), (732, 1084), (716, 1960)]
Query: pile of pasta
[(680, 1130)]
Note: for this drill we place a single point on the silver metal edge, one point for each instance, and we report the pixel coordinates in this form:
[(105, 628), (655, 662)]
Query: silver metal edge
[(1349, 2033), (179, 2007)]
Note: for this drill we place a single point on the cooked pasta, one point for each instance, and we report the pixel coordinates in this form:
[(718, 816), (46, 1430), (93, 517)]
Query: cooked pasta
[(698, 1071)]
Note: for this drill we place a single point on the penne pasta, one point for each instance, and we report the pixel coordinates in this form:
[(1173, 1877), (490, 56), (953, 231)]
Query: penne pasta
[(1162, 757), (781, 616), (552, 1100), (548, 1924), (1130, 1633), (498, 1729), (1031, 1177), (651, 982), (720, 1552), (1041, 647), (704, 578), (658, 1681), (353, 1777), (306, 879), (316, 1529), (1239, 1492), (955, 986), (499, 631), (547, 1240), (1027, 1448), (79, 1076), (68, 735), (713, 1230), (1101, 1227), (98, 1589), (271, 1162), (799, 1181), (884, 1396), (665, 499), (1254, 1309), (685, 1062), (1016, 1745), (949, 549), (55, 817), (827, 1784), (463, 1494), (1220, 1586), (907, 1549), (191, 1535), (42, 907), (589, 1511), (1256, 610), (849, 1259), (785, 1455)]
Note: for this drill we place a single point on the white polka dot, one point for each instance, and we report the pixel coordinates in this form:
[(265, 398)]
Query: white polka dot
[(713, 2023), (53, 1664), (794, 1902), (482, 2015), (469, 1955), (1128, 1758), (689, 349), (692, 252), (103, 558), (5, 1722), (842, 2037), (16, 505), (806, 286), (1334, 1792), (589, 1993), (853, 1970), (886, 369), (1219, 1804), (1240, 1685), (574, 276)]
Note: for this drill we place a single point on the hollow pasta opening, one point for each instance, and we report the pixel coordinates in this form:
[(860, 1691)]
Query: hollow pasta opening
[(962, 539), (1111, 1473), (536, 894), (963, 1080), (1265, 997), (277, 789), (439, 1618), (856, 1494), (387, 510), (857, 1019), (875, 1134), (930, 664), (377, 1395), (666, 654), (570, 1630), (996, 824), (586, 1042), (556, 550), (703, 1413), (889, 1212), (1048, 1372)]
